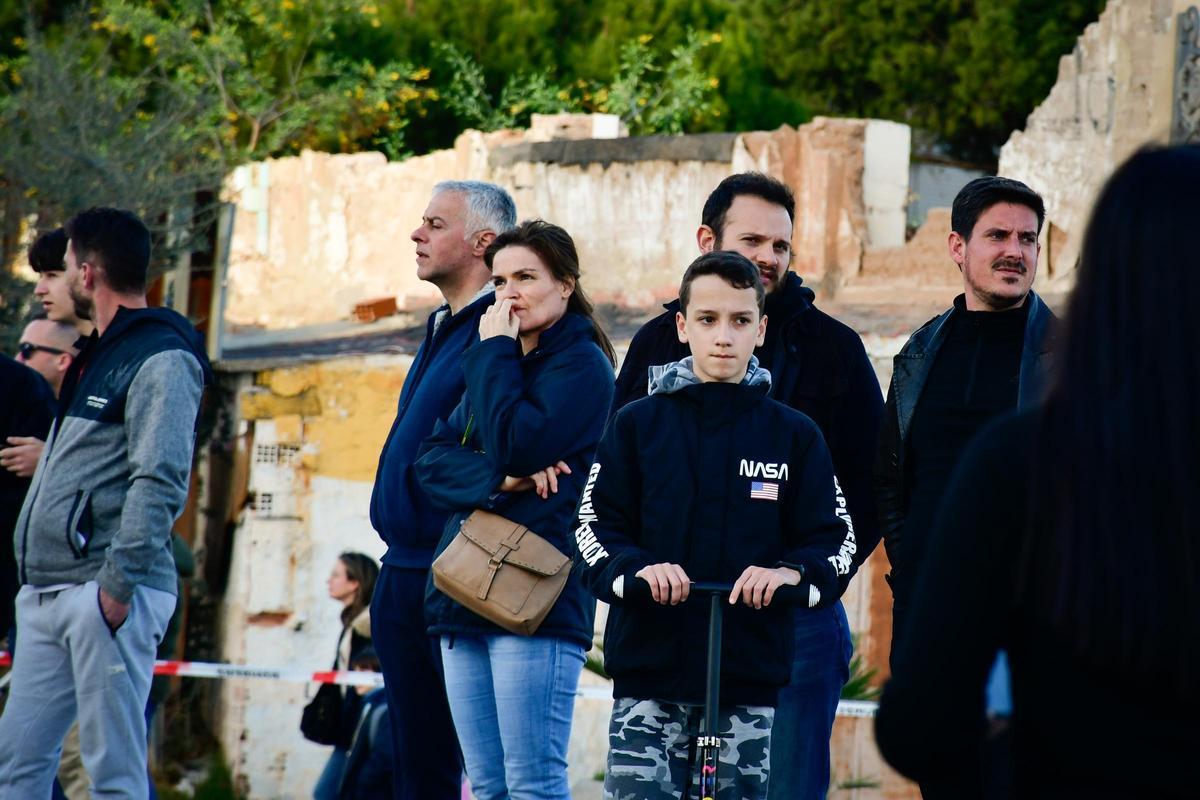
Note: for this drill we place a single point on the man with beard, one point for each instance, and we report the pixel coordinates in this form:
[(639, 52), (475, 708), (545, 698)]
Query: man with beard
[(986, 355), (93, 539), (818, 366)]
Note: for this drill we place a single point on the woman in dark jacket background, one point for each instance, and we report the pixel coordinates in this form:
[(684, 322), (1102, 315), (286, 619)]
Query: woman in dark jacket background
[(539, 384), (1068, 535), (351, 582)]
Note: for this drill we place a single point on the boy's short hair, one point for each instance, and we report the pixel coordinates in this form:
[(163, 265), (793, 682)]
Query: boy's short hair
[(982, 193), (118, 240), (366, 659), (733, 268), (48, 250)]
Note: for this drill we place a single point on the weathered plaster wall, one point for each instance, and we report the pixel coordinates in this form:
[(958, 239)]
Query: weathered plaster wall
[(630, 221), (1113, 95), (316, 233), (317, 435)]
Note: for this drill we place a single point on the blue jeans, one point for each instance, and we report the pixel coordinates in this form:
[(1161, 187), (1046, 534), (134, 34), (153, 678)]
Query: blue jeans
[(807, 705), (512, 699)]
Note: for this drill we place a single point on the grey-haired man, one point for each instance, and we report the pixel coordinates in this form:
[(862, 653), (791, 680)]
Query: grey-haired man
[(462, 219)]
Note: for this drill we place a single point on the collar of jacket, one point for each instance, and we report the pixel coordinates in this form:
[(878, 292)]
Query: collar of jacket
[(912, 364), (788, 303), (127, 321), (483, 298), (562, 334)]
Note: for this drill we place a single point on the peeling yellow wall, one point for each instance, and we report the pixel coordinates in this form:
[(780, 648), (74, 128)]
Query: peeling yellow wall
[(340, 411)]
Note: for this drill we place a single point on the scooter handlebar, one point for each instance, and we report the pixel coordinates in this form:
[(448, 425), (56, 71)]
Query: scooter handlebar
[(639, 592)]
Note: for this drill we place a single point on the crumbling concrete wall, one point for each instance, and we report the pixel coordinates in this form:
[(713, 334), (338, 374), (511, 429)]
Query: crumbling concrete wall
[(317, 434), (316, 233), (1114, 94)]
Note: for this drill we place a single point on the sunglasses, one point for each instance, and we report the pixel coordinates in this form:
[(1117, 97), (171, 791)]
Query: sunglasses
[(27, 349)]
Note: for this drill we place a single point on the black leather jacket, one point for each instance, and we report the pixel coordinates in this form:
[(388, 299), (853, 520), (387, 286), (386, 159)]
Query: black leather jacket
[(910, 369)]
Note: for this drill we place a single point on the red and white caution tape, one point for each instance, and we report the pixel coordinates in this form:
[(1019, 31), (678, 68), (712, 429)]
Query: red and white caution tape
[(202, 669)]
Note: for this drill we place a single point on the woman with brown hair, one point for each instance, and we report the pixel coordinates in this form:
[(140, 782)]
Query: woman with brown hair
[(539, 384), (351, 582)]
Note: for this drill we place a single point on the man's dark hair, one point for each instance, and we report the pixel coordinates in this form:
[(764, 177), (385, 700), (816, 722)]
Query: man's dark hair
[(116, 241), (47, 251), (982, 193), (752, 183), (733, 268)]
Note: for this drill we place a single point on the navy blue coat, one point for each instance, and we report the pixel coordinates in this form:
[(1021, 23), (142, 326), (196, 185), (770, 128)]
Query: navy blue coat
[(818, 366), (525, 413), (674, 481), (400, 512)]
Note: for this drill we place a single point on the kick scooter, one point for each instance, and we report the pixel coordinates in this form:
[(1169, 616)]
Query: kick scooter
[(708, 740)]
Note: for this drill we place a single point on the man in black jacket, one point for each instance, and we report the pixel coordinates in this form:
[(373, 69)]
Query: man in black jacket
[(986, 355), (820, 367), (26, 410)]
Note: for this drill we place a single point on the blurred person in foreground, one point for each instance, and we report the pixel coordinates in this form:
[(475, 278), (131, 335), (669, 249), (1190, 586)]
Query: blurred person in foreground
[(1068, 537)]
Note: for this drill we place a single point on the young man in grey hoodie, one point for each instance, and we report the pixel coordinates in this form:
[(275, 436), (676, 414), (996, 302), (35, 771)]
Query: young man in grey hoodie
[(93, 541)]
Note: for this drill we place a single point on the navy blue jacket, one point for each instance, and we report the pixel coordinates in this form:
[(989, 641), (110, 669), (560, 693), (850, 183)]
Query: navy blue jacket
[(370, 766), (400, 511), (818, 367), (524, 414), (673, 482)]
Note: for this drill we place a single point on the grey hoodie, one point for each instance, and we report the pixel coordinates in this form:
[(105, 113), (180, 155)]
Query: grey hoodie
[(669, 378), (113, 476)]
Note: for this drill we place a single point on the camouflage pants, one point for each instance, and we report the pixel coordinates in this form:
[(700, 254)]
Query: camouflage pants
[(651, 753)]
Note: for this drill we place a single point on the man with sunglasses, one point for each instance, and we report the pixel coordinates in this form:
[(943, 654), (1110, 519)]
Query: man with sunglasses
[(48, 348)]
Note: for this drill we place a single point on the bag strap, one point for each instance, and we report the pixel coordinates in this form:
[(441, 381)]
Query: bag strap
[(511, 542), (377, 714)]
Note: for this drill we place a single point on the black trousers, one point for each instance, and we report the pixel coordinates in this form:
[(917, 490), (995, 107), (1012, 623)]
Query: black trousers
[(428, 764)]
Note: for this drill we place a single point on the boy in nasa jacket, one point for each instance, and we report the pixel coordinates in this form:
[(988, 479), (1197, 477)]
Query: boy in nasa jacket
[(706, 479)]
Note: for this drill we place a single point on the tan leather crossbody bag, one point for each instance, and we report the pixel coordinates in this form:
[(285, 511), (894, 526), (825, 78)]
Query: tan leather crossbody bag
[(502, 571)]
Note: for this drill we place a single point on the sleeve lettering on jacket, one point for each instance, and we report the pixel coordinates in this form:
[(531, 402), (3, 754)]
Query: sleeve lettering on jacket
[(845, 556), (591, 550)]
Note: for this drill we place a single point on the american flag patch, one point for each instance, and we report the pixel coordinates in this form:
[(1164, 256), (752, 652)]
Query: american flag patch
[(764, 490)]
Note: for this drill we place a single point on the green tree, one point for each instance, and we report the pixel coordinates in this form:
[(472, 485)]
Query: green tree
[(281, 76), (966, 72), (75, 131), (650, 92)]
